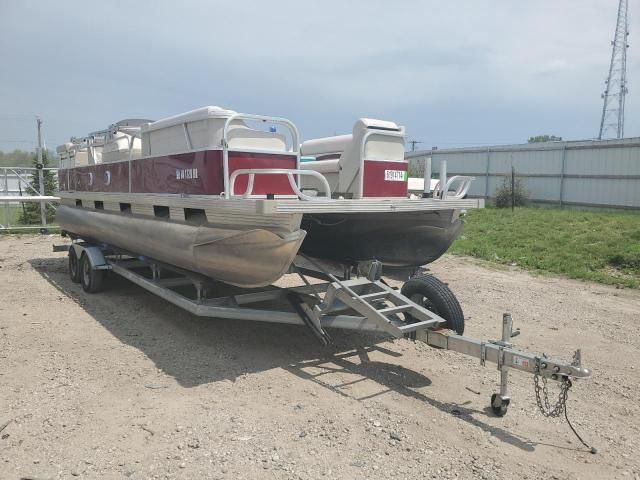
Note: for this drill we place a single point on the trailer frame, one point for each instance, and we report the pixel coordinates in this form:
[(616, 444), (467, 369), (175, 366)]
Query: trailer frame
[(365, 303)]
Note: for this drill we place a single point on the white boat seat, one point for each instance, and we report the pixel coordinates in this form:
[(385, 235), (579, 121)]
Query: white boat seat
[(345, 155), (202, 129), (117, 148), (323, 166), (242, 136), (326, 146)]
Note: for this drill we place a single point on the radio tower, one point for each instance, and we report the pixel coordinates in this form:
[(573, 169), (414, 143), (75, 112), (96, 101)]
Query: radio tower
[(612, 122)]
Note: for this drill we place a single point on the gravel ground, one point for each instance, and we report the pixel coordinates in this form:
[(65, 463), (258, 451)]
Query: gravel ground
[(123, 385)]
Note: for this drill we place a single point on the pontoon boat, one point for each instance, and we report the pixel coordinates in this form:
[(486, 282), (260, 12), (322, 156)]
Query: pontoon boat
[(213, 197), (226, 195)]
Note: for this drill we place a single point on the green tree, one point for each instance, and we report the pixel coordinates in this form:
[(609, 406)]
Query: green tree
[(504, 196), (544, 138), (31, 211)]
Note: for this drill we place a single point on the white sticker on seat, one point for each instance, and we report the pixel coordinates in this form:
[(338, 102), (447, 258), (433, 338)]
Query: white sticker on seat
[(395, 176)]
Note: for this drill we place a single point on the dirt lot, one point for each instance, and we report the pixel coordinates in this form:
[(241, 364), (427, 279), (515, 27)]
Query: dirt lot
[(121, 384)]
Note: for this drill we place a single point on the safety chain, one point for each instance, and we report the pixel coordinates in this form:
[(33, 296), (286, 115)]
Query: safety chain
[(543, 403), (561, 405)]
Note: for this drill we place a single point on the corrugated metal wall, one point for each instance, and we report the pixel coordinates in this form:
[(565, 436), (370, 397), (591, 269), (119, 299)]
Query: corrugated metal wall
[(587, 173)]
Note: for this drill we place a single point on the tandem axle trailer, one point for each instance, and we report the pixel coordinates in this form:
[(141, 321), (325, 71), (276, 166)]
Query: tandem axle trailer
[(424, 309)]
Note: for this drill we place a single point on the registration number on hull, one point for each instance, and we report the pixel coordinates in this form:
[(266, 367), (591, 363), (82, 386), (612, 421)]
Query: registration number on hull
[(395, 175), (186, 173)]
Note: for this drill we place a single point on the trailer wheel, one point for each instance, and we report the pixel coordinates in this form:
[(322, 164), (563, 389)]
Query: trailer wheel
[(74, 266), (435, 296), (90, 278)]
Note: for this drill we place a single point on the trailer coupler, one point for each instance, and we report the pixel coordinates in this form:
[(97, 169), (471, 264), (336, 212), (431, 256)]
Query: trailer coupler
[(502, 353)]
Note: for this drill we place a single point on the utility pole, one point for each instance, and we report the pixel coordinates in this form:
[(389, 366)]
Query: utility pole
[(612, 120), (40, 166), (413, 144)]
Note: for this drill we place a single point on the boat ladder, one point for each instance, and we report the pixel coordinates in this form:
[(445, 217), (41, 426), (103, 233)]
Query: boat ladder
[(379, 303)]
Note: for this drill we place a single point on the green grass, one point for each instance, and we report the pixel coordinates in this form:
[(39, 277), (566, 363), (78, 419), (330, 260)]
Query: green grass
[(13, 212), (602, 247)]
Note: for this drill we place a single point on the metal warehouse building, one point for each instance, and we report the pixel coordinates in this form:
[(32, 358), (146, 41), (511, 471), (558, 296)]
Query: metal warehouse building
[(591, 173)]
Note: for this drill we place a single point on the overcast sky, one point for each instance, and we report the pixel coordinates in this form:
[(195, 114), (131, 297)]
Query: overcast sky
[(453, 72)]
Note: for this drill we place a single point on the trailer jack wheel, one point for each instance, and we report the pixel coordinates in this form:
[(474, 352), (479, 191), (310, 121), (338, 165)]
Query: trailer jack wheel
[(499, 404), (90, 278)]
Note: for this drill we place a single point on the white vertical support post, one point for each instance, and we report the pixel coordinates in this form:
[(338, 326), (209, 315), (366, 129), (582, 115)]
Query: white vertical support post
[(43, 205), (443, 179), (225, 168), (426, 190), (131, 140)]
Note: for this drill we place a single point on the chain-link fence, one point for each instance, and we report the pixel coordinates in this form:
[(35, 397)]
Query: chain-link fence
[(25, 203)]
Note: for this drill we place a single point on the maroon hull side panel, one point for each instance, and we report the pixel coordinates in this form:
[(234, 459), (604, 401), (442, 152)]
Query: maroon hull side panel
[(263, 184), (195, 173), (374, 184), (109, 177)]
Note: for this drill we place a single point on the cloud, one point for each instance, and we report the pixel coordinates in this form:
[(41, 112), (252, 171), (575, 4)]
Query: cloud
[(459, 72)]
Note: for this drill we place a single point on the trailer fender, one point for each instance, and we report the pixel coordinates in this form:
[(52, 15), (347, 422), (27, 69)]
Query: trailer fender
[(94, 253)]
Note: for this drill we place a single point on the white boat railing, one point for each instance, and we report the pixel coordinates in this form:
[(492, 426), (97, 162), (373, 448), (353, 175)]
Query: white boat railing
[(461, 182), (293, 130), (280, 171)]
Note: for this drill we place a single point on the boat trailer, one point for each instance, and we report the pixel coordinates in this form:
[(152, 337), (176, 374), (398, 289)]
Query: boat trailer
[(365, 303)]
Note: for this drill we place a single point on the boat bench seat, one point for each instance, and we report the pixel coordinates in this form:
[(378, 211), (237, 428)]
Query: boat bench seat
[(369, 162), (323, 166)]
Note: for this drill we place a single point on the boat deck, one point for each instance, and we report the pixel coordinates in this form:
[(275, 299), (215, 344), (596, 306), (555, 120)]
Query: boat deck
[(278, 205), (371, 205)]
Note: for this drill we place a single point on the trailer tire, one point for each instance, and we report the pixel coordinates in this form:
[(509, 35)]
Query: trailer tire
[(74, 266), (90, 278), (435, 296)]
